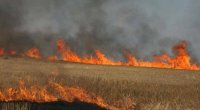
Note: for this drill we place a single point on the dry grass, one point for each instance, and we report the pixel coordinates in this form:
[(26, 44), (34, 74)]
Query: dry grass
[(150, 88)]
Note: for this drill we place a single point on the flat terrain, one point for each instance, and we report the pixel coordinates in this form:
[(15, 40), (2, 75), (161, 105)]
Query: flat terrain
[(150, 88)]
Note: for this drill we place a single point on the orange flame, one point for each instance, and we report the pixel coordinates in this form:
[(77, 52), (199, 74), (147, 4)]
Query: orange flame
[(67, 53), (33, 53), (41, 94), (181, 60), (1, 51), (52, 58)]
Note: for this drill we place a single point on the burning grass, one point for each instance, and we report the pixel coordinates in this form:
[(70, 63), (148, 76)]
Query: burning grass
[(181, 59), (50, 94), (69, 97), (41, 94)]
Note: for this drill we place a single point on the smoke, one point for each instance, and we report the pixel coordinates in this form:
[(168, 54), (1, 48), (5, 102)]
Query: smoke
[(144, 27)]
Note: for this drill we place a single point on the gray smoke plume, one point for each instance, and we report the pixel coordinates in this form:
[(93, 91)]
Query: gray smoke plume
[(144, 27)]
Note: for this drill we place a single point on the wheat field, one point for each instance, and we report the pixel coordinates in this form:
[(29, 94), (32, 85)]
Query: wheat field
[(149, 88)]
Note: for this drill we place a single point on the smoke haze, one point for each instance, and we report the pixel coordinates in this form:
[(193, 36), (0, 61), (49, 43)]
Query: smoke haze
[(145, 27)]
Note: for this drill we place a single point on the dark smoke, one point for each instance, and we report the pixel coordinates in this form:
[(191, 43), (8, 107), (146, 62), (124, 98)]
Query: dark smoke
[(10, 13), (145, 27)]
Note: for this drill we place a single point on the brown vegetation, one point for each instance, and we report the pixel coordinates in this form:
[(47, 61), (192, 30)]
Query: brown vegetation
[(150, 88)]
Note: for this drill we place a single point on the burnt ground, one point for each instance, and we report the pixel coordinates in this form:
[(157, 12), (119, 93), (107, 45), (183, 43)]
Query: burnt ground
[(59, 105)]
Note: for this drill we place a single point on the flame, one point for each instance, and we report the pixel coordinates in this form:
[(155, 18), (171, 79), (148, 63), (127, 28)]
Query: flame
[(12, 52), (67, 53), (52, 58), (33, 53), (181, 60), (41, 94), (1, 51)]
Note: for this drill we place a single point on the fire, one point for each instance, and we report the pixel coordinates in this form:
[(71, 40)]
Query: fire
[(42, 94), (181, 60), (52, 58), (67, 53), (12, 52), (33, 53), (1, 51)]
